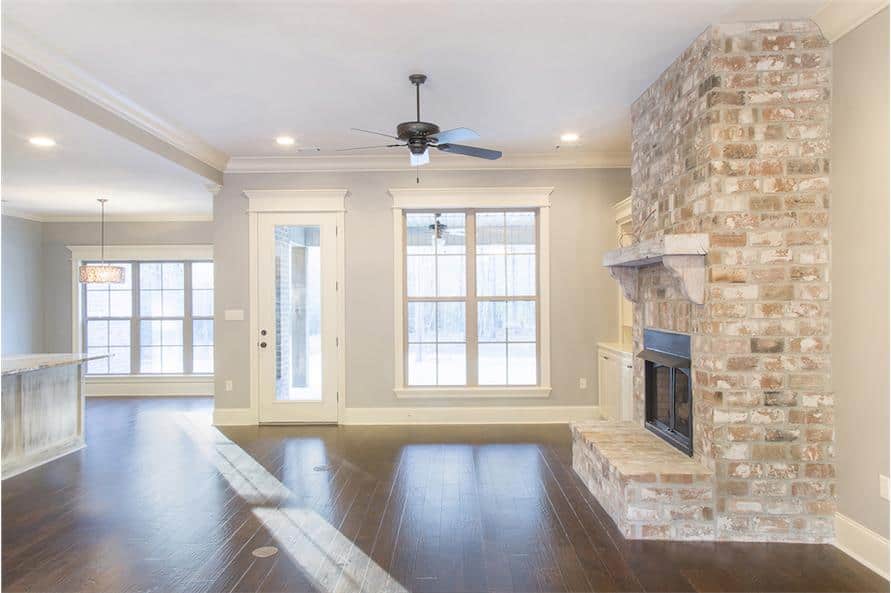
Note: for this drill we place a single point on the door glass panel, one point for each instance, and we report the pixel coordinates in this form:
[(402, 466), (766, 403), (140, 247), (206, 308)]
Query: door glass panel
[(298, 313)]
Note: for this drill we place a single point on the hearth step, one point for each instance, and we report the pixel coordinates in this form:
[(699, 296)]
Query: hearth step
[(650, 489)]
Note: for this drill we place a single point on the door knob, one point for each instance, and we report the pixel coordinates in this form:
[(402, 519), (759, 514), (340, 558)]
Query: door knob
[(262, 344)]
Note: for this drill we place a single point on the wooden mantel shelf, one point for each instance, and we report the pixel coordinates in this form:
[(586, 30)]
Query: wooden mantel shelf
[(683, 255)]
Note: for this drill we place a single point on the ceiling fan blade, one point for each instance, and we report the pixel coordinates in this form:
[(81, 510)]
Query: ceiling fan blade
[(482, 153), (373, 132), (456, 135), (420, 159), (369, 147)]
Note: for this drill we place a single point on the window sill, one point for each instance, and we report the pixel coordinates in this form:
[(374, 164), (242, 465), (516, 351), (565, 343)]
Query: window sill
[(508, 392)]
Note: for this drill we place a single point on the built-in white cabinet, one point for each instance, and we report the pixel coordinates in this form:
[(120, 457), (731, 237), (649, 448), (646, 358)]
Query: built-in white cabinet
[(614, 376), (614, 368)]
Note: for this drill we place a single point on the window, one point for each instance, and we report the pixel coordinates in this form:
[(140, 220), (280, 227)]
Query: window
[(202, 317), (109, 309), (159, 321), (471, 298)]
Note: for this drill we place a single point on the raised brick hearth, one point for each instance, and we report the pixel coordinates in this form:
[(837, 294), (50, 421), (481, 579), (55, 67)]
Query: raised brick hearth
[(732, 141), (650, 489)]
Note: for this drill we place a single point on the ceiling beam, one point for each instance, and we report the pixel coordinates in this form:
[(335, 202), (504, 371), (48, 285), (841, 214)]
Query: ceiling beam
[(32, 67)]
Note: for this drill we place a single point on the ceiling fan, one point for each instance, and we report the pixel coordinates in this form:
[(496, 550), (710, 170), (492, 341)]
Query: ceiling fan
[(419, 136)]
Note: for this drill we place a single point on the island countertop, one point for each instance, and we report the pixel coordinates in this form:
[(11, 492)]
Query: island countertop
[(24, 363)]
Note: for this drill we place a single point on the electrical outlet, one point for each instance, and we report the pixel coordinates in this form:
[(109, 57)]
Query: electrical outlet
[(583, 383), (883, 487), (228, 384)]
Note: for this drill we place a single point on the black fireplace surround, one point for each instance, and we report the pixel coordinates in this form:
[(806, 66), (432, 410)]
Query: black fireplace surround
[(667, 387)]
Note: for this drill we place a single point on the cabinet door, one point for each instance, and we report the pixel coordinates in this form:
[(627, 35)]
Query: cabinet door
[(602, 383), (626, 380), (614, 384), (609, 384)]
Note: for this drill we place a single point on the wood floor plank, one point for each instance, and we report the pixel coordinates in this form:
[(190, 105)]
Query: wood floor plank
[(160, 501)]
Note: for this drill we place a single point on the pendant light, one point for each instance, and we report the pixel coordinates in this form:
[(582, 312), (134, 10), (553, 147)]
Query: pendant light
[(101, 273)]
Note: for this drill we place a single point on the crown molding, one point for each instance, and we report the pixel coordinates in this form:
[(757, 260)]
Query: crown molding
[(146, 217), (622, 210), (837, 18), (23, 214), (20, 46), (392, 162), (214, 189)]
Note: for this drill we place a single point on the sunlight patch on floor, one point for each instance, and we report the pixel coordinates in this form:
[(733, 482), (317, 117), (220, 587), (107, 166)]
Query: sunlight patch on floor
[(330, 560)]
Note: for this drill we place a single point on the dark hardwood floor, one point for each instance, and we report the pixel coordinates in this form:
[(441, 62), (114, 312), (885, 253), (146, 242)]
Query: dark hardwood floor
[(160, 501)]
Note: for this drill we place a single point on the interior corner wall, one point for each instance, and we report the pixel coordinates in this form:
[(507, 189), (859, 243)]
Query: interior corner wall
[(22, 286), (860, 260), (583, 296), (56, 268)]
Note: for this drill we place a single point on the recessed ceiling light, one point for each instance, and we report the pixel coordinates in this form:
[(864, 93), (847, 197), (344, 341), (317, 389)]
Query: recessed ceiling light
[(42, 141), (569, 137), (284, 141)]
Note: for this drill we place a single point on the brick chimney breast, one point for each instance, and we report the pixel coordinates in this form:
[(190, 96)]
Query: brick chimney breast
[(732, 140)]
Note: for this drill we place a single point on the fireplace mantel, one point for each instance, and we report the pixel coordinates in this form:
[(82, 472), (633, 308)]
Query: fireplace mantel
[(682, 254)]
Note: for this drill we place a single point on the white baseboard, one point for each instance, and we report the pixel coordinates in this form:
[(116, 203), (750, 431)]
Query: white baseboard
[(862, 544), (148, 386), (235, 417), (437, 415)]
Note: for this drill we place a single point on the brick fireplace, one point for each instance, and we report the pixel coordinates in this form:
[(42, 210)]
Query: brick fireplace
[(732, 143)]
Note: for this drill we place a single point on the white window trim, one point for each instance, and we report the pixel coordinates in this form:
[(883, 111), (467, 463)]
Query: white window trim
[(466, 198), (296, 200), (82, 253)]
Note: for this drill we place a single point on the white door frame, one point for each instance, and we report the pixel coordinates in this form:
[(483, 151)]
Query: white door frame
[(291, 201)]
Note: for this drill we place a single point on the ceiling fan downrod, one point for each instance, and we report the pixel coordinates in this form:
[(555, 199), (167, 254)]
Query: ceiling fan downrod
[(418, 80)]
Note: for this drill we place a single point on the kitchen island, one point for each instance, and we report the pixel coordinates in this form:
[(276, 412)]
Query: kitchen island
[(42, 408)]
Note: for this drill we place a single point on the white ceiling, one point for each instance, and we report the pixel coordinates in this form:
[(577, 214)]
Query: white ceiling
[(237, 74), (240, 73), (87, 162)]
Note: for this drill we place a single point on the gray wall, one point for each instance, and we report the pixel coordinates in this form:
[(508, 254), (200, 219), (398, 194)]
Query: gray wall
[(57, 261), (583, 296), (860, 262), (22, 310)]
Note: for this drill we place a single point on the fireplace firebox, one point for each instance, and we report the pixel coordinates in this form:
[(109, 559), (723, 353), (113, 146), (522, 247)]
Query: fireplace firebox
[(667, 387)]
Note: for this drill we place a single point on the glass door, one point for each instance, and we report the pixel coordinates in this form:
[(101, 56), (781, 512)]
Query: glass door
[(298, 317)]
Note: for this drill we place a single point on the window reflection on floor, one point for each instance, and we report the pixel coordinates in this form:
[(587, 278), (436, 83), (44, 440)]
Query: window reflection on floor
[(328, 558)]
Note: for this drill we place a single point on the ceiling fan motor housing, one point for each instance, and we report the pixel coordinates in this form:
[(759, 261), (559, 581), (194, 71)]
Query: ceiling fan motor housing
[(416, 134), (419, 135)]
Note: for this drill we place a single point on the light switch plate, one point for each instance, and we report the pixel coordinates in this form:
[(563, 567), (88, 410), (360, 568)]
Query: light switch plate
[(883, 487), (229, 385), (234, 314), (583, 383)]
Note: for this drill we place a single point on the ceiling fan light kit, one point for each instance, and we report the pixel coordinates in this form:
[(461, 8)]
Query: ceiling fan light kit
[(419, 136)]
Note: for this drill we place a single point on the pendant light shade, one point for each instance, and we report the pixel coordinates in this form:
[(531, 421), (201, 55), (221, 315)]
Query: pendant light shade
[(101, 273)]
